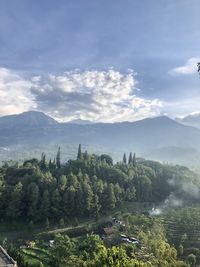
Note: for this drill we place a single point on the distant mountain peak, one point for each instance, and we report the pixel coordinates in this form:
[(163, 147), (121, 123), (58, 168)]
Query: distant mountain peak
[(28, 118), (192, 119), (195, 115), (160, 119), (32, 112), (35, 130)]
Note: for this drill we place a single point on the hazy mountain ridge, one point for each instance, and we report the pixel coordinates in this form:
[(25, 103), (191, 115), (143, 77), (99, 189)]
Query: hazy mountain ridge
[(190, 120), (156, 137), (27, 119)]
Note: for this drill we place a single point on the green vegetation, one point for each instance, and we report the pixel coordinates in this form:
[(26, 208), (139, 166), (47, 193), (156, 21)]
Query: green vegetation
[(69, 202), (183, 230), (89, 186), (91, 250)]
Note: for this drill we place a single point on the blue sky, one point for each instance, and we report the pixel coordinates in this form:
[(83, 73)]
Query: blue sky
[(158, 40)]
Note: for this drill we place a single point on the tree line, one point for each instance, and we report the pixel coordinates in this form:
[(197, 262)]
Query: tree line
[(87, 186)]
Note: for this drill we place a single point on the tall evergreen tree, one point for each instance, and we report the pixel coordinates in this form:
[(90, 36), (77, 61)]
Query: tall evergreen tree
[(72, 180), (110, 196), (33, 197), (45, 204), (62, 181), (65, 203), (118, 191), (58, 164), (56, 203), (124, 158), (130, 159), (43, 164), (79, 155), (79, 200), (71, 194), (87, 195), (15, 205), (134, 159), (96, 206)]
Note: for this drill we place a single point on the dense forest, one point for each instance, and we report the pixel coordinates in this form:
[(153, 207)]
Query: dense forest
[(92, 188), (88, 186)]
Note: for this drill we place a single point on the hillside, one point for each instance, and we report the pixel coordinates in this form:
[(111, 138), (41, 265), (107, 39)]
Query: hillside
[(88, 211), (26, 120)]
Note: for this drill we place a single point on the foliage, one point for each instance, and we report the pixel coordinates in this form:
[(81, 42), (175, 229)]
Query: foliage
[(89, 186)]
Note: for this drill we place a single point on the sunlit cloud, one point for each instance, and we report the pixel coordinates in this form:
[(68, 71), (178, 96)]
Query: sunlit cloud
[(101, 96), (15, 93), (107, 96)]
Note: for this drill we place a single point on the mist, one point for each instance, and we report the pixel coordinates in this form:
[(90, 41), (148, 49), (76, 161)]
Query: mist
[(185, 192)]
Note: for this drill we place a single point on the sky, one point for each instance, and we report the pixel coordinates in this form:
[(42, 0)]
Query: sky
[(100, 60)]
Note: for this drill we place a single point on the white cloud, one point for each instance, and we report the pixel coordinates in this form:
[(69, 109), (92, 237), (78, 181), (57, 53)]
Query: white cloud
[(15, 93), (189, 67), (107, 96)]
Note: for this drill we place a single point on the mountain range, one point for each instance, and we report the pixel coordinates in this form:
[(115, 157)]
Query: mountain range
[(190, 120), (160, 138)]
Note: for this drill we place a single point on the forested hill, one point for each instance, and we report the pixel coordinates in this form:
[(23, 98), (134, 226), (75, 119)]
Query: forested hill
[(159, 138), (88, 186)]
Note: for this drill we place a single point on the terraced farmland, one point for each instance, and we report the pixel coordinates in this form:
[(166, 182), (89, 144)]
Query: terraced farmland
[(183, 230), (36, 255), (180, 233)]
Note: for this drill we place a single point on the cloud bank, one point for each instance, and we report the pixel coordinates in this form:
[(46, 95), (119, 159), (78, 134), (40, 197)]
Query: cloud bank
[(189, 67), (107, 96)]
